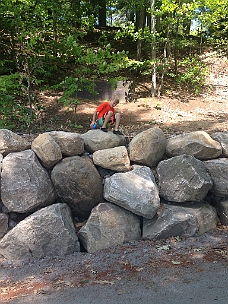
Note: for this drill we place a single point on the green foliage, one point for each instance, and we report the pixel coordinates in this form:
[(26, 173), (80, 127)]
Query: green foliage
[(127, 30), (99, 62), (192, 74), (44, 43), (70, 86), (142, 67), (8, 105), (9, 85), (12, 110), (89, 65)]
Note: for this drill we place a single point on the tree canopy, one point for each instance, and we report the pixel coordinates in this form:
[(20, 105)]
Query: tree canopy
[(67, 44)]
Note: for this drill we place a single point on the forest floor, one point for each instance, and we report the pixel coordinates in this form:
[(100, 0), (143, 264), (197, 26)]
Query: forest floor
[(174, 114)]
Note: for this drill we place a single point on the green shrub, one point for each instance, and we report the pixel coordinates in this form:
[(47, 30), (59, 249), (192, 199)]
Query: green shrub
[(12, 110), (192, 75)]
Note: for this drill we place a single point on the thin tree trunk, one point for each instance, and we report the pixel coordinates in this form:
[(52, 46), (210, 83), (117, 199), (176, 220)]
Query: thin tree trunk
[(75, 5), (140, 19), (110, 4), (75, 114), (102, 13), (153, 50), (175, 49), (132, 16), (55, 31), (163, 68), (164, 61), (201, 38), (28, 73)]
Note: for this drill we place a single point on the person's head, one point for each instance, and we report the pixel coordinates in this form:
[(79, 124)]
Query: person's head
[(114, 101)]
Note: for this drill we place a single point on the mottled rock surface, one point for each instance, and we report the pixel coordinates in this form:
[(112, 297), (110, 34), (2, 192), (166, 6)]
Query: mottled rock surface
[(25, 184), (148, 147), (186, 220), (109, 226), (49, 231), (198, 144), (183, 178), (78, 184), (135, 191)]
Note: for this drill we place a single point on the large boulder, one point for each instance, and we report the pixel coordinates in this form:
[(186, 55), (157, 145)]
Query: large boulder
[(222, 210), (70, 143), (3, 224), (218, 169), (11, 142), (198, 144), (183, 178), (222, 138), (148, 147), (25, 184), (99, 140), (109, 226), (78, 184), (115, 159), (47, 150), (1, 159), (47, 232), (186, 220), (135, 191)]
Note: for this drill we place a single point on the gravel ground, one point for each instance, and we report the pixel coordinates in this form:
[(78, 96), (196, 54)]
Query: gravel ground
[(207, 286), (134, 263)]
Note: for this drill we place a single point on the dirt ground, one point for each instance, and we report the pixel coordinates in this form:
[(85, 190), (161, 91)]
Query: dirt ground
[(174, 113), (137, 261)]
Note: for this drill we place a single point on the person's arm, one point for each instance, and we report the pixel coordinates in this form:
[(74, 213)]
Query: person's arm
[(94, 118)]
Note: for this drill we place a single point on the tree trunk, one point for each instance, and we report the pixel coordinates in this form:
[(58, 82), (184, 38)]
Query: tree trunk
[(75, 5), (102, 13), (132, 16), (176, 49), (28, 74), (164, 61), (153, 50), (140, 20), (201, 38)]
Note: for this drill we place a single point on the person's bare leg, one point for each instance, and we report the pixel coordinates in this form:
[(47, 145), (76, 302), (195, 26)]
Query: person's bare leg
[(107, 118), (117, 122)]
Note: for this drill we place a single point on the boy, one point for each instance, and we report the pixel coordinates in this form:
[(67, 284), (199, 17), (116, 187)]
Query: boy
[(106, 116)]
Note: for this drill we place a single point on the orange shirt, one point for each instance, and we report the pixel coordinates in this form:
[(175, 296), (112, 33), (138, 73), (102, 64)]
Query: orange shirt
[(103, 108)]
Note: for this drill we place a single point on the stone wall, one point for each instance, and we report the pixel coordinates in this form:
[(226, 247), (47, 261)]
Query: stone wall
[(67, 192)]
